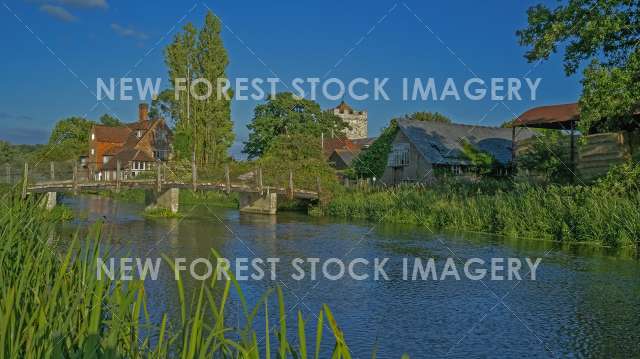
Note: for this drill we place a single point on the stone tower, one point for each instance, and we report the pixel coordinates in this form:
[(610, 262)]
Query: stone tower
[(357, 120)]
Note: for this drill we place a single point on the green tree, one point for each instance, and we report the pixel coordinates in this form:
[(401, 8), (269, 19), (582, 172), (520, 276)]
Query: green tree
[(605, 35), (202, 125), (428, 116), (109, 120), (286, 114), (300, 153), (69, 138)]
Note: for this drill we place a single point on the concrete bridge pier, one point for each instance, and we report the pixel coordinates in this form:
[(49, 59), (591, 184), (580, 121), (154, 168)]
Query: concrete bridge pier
[(49, 200), (260, 203), (168, 198)]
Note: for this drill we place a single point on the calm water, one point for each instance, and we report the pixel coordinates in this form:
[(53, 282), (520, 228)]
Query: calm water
[(584, 303)]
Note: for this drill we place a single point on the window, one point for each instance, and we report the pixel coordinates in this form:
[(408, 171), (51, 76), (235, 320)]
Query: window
[(399, 156), (93, 136), (93, 151), (105, 159), (139, 133)]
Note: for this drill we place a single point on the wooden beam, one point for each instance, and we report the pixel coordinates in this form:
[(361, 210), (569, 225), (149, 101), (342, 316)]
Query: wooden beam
[(260, 179), (25, 180), (8, 170), (75, 178), (227, 178), (158, 177), (52, 171), (118, 174), (290, 184), (194, 172)]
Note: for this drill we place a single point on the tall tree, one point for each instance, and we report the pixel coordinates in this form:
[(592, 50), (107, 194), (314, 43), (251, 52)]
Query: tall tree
[(605, 34), (285, 114), (203, 125)]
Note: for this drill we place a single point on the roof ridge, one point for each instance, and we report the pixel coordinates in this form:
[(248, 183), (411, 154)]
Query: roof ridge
[(451, 123)]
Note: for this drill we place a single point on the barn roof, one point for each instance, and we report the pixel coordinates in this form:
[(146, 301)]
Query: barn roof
[(554, 116), (441, 143)]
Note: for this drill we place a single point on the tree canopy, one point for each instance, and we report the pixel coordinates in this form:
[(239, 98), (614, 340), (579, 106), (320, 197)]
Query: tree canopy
[(109, 120), (604, 36), (203, 125), (69, 138), (285, 114)]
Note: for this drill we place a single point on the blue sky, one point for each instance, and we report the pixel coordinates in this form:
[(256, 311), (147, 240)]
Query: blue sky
[(53, 48)]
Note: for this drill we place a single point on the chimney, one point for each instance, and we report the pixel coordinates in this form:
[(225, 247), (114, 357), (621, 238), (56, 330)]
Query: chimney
[(143, 112)]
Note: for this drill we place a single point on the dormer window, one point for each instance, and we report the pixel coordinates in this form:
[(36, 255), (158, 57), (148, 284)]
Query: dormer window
[(139, 133)]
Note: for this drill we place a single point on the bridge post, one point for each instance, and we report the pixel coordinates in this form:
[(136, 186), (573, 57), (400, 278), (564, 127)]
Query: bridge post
[(194, 172), (259, 178), (52, 171), (158, 177), (227, 178), (50, 200), (291, 184), (75, 178), (8, 169), (118, 174), (169, 199), (25, 180), (318, 188), (259, 203)]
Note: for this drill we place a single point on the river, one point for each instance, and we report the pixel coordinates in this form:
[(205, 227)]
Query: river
[(584, 302)]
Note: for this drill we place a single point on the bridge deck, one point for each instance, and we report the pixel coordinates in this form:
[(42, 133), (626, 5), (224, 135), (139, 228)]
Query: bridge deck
[(68, 185)]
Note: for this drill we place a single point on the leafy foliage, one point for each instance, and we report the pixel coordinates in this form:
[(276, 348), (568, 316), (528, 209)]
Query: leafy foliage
[(546, 156), (10, 153), (428, 116), (203, 126), (301, 154), (604, 33), (69, 138), (484, 161), (108, 120), (285, 114)]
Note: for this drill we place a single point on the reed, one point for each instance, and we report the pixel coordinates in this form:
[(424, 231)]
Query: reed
[(567, 213), (53, 304)]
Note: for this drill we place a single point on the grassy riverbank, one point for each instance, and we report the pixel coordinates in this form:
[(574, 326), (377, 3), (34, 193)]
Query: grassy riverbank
[(53, 305), (607, 213)]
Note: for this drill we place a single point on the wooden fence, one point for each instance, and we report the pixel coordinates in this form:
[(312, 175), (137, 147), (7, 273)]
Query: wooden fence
[(594, 155)]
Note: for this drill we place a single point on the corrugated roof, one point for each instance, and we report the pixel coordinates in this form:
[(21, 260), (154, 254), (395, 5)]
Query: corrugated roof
[(441, 143), (549, 116)]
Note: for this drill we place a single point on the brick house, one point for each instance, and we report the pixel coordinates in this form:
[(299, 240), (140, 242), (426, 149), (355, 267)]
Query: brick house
[(136, 146)]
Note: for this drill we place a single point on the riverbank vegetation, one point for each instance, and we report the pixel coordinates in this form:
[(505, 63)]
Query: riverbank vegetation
[(53, 305), (606, 213)]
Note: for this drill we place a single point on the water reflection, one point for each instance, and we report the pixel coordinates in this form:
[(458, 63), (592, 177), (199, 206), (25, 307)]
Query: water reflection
[(584, 303)]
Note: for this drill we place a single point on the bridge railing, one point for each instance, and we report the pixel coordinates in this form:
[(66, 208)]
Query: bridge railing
[(243, 174)]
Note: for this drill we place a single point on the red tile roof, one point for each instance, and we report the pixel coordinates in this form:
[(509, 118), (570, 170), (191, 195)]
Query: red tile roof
[(549, 115), (110, 134)]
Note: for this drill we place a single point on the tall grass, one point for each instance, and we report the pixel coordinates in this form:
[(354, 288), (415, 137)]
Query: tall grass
[(568, 213), (53, 305)]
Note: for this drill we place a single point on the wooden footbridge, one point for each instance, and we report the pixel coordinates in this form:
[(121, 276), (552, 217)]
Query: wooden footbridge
[(163, 181)]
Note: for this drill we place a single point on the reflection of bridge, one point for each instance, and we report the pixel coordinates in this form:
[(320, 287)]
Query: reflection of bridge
[(163, 184)]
